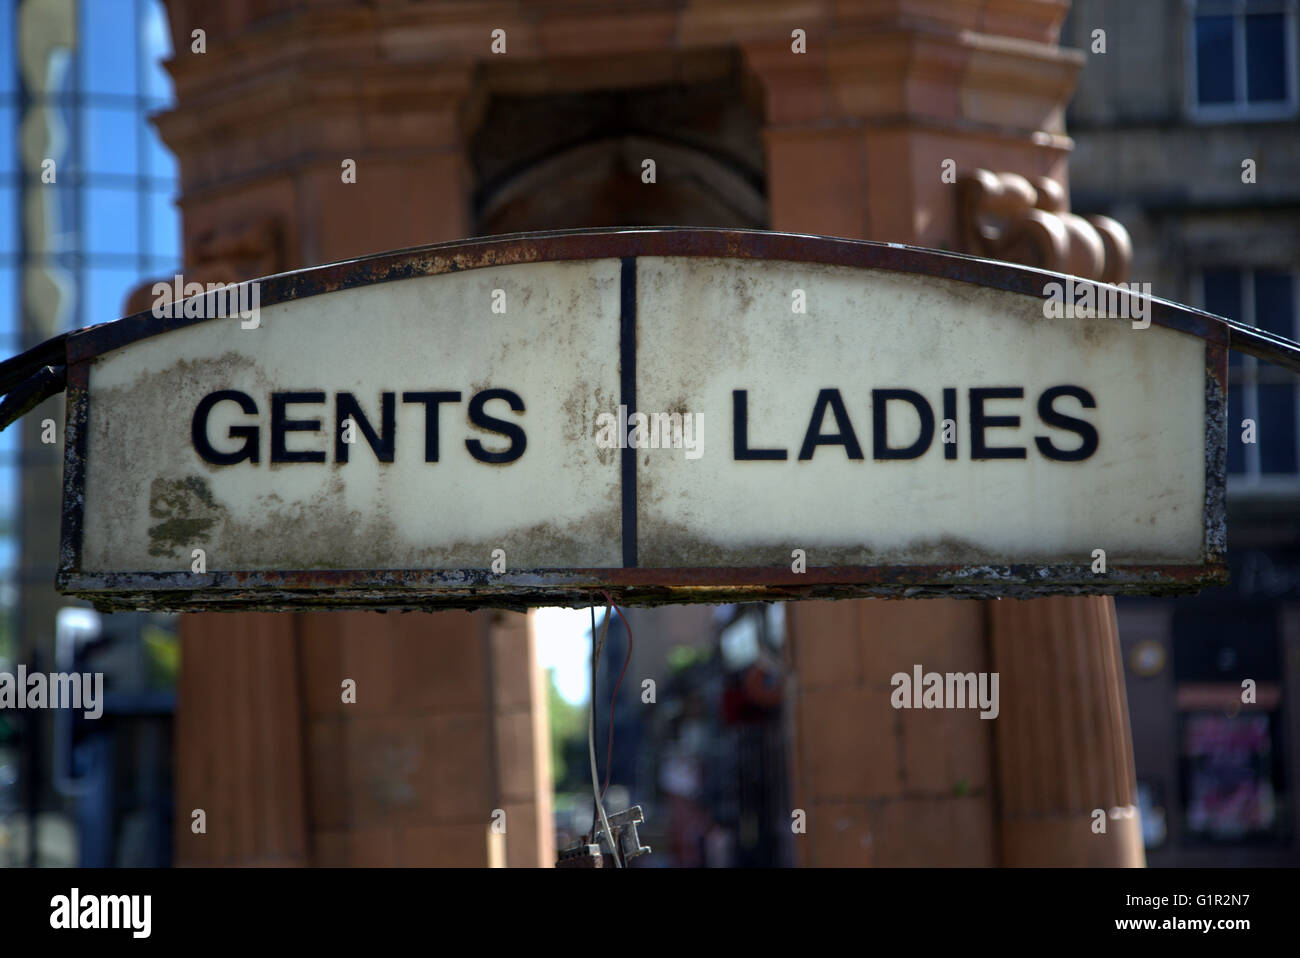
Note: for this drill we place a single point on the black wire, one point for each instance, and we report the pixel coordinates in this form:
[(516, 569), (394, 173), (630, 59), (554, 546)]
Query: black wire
[(594, 811)]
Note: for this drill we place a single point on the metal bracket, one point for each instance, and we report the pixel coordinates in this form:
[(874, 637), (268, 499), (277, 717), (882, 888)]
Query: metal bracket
[(623, 824), (580, 856)]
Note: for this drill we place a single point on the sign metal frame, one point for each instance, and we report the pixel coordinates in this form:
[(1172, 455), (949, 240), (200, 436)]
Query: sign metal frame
[(630, 584)]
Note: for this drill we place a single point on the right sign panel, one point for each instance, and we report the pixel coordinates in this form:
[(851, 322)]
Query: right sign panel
[(864, 417)]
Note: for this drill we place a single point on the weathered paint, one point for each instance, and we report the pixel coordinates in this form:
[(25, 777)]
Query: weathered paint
[(712, 314), (707, 326), (151, 500)]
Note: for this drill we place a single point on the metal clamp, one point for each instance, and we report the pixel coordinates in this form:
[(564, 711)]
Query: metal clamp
[(623, 824)]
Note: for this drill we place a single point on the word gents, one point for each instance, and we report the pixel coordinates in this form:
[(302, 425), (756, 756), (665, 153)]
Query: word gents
[(288, 412), (1053, 408)]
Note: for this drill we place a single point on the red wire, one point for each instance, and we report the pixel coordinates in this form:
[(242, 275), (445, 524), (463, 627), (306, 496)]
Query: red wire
[(609, 749)]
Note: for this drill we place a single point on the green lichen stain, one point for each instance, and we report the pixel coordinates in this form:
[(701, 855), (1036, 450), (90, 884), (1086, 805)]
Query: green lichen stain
[(188, 512)]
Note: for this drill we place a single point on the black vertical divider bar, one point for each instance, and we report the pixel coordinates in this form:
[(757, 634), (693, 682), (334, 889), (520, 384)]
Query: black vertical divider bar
[(627, 396)]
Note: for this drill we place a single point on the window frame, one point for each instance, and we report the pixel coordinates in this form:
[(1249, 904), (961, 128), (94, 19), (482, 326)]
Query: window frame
[(1253, 481), (1240, 109)]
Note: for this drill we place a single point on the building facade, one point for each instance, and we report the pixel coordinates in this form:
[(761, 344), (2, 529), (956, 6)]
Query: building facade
[(1199, 159), (87, 210)]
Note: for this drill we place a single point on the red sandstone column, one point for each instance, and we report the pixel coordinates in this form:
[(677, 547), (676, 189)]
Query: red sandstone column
[(447, 731), (1065, 755), (857, 131), (240, 797)]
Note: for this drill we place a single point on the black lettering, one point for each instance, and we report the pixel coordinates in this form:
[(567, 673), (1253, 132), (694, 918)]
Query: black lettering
[(250, 434), (346, 407), (1057, 420), (979, 422), (814, 437), (740, 431), (518, 441), (880, 447), (431, 402), (280, 425)]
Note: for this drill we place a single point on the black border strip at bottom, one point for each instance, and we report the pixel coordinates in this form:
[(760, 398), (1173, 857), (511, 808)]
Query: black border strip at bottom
[(1142, 908)]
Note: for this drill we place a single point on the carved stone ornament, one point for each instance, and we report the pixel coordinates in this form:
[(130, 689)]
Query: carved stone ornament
[(1005, 216)]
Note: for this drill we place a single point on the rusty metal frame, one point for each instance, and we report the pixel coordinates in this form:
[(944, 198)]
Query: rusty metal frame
[(474, 588)]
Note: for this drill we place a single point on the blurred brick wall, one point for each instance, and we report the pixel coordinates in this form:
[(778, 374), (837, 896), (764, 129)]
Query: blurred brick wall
[(882, 786), (448, 726)]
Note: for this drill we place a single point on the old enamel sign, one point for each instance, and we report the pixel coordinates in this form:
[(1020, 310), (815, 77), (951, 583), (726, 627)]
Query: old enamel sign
[(665, 415)]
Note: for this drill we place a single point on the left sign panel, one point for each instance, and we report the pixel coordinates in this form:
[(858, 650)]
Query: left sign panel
[(421, 423)]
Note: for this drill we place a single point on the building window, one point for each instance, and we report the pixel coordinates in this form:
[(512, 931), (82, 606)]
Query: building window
[(1260, 392), (1243, 59)]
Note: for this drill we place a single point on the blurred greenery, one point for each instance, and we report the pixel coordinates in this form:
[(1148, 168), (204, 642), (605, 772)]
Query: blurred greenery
[(163, 654), (682, 657), (568, 733)]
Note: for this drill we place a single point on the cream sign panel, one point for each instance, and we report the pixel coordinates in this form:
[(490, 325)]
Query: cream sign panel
[(908, 420), (467, 435), (666, 415)]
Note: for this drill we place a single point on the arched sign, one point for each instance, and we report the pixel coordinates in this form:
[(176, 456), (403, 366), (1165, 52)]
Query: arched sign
[(665, 415)]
